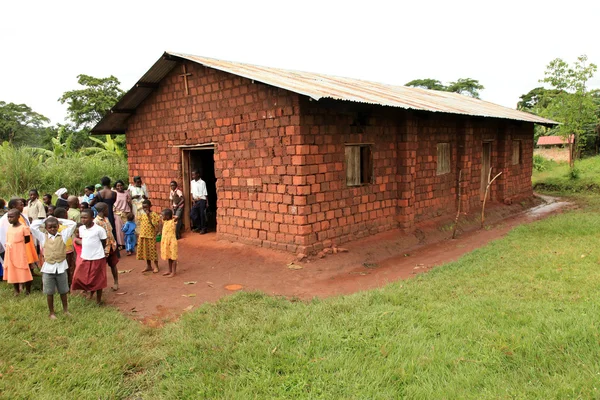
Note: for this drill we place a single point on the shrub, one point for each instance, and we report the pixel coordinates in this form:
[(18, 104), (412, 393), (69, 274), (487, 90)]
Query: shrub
[(22, 169)]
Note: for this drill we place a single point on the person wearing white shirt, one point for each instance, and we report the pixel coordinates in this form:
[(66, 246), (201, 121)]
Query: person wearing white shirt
[(200, 203), (54, 270), (90, 273)]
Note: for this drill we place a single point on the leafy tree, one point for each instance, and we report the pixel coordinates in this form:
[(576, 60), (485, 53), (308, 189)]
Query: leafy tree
[(537, 99), (87, 106), (20, 124), (574, 106), (432, 84), (465, 86)]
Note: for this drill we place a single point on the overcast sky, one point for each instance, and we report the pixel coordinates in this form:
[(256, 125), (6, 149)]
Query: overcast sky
[(505, 45)]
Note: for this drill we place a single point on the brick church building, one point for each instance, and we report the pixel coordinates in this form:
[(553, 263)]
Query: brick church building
[(299, 161)]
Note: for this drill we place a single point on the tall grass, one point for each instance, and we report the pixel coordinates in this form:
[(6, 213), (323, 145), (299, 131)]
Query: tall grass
[(22, 169)]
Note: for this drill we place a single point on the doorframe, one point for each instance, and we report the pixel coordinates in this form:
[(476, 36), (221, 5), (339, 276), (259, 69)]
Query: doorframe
[(186, 173)]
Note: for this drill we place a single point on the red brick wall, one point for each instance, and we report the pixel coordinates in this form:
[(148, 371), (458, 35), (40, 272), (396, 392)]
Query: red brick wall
[(255, 128), (280, 159), (334, 212)]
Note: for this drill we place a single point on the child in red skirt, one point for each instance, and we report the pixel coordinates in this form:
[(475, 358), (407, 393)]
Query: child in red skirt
[(90, 275)]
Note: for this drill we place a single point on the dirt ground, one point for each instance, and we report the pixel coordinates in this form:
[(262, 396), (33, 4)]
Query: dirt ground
[(210, 269)]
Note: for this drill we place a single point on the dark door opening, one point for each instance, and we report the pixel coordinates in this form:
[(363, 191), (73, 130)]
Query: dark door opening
[(203, 161)]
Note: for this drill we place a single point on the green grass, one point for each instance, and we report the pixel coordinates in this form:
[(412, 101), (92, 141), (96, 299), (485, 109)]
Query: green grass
[(515, 319), (556, 177)]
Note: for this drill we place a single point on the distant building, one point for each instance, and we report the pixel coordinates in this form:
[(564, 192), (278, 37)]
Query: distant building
[(553, 147), (299, 161), (549, 142)]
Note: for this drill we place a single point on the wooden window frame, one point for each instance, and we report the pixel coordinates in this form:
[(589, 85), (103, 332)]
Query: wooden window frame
[(516, 156), (443, 159), (359, 164)]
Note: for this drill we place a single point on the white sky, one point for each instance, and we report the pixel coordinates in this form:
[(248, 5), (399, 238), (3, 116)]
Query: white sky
[(505, 45)]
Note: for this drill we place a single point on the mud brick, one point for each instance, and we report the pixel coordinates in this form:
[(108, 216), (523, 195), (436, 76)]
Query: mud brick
[(280, 159)]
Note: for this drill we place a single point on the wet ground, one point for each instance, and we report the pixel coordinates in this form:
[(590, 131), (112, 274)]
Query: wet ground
[(210, 269)]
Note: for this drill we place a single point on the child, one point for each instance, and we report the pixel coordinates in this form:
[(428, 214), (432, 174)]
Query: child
[(73, 212), (50, 211), (54, 271), (112, 257), (146, 250), (129, 231), (90, 275), (16, 267), (61, 213), (168, 242), (83, 206), (47, 200)]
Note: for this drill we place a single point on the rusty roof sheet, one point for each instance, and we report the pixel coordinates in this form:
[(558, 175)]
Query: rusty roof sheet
[(319, 86), (553, 140)]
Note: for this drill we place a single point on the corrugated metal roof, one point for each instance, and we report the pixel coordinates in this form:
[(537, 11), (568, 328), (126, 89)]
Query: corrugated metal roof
[(553, 140), (319, 86)]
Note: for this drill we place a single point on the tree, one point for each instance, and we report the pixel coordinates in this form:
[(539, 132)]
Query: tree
[(432, 84), (574, 106), (536, 99), (19, 123), (87, 106), (464, 86)]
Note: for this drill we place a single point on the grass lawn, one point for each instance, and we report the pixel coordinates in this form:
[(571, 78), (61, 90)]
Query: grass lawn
[(555, 177), (519, 318)]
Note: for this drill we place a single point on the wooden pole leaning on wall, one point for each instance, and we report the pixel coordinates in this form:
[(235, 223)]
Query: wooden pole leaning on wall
[(487, 190), (459, 204)]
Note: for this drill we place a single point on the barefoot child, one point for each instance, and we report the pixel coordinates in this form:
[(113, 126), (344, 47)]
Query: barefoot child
[(129, 231), (112, 257), (168, 243), (54, 271), (146, 250), (90, 275), (16, 267)]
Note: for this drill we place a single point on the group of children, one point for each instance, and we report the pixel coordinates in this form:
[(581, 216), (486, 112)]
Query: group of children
[(77, 244)]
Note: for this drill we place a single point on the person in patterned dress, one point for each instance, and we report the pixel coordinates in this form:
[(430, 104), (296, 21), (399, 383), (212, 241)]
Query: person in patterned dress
[(148, 222), (168, 243)]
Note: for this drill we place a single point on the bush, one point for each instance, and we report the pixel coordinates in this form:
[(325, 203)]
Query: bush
[(539, 163), (22, 169)]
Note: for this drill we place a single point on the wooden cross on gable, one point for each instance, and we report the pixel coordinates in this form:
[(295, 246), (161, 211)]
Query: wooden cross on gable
[(185, 80)]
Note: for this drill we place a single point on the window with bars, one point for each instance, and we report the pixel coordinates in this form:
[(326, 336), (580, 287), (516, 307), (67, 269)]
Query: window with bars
[(359, 164), (443, 158), (516, 152)]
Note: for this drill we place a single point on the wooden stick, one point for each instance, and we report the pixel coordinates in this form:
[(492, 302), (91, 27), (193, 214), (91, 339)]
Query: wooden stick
[(458, 211), (487, 189)]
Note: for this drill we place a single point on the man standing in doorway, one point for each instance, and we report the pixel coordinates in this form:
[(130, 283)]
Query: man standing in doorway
[(199, 193)]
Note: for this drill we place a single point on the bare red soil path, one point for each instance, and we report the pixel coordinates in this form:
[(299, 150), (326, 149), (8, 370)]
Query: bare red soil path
[(210, 269)]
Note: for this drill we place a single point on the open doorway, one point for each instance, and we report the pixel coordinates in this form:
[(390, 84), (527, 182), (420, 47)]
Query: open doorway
[(201, 159)]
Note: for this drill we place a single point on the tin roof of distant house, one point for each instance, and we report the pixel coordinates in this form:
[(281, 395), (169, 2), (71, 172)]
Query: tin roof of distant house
[(315, 86), (553, 140)]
